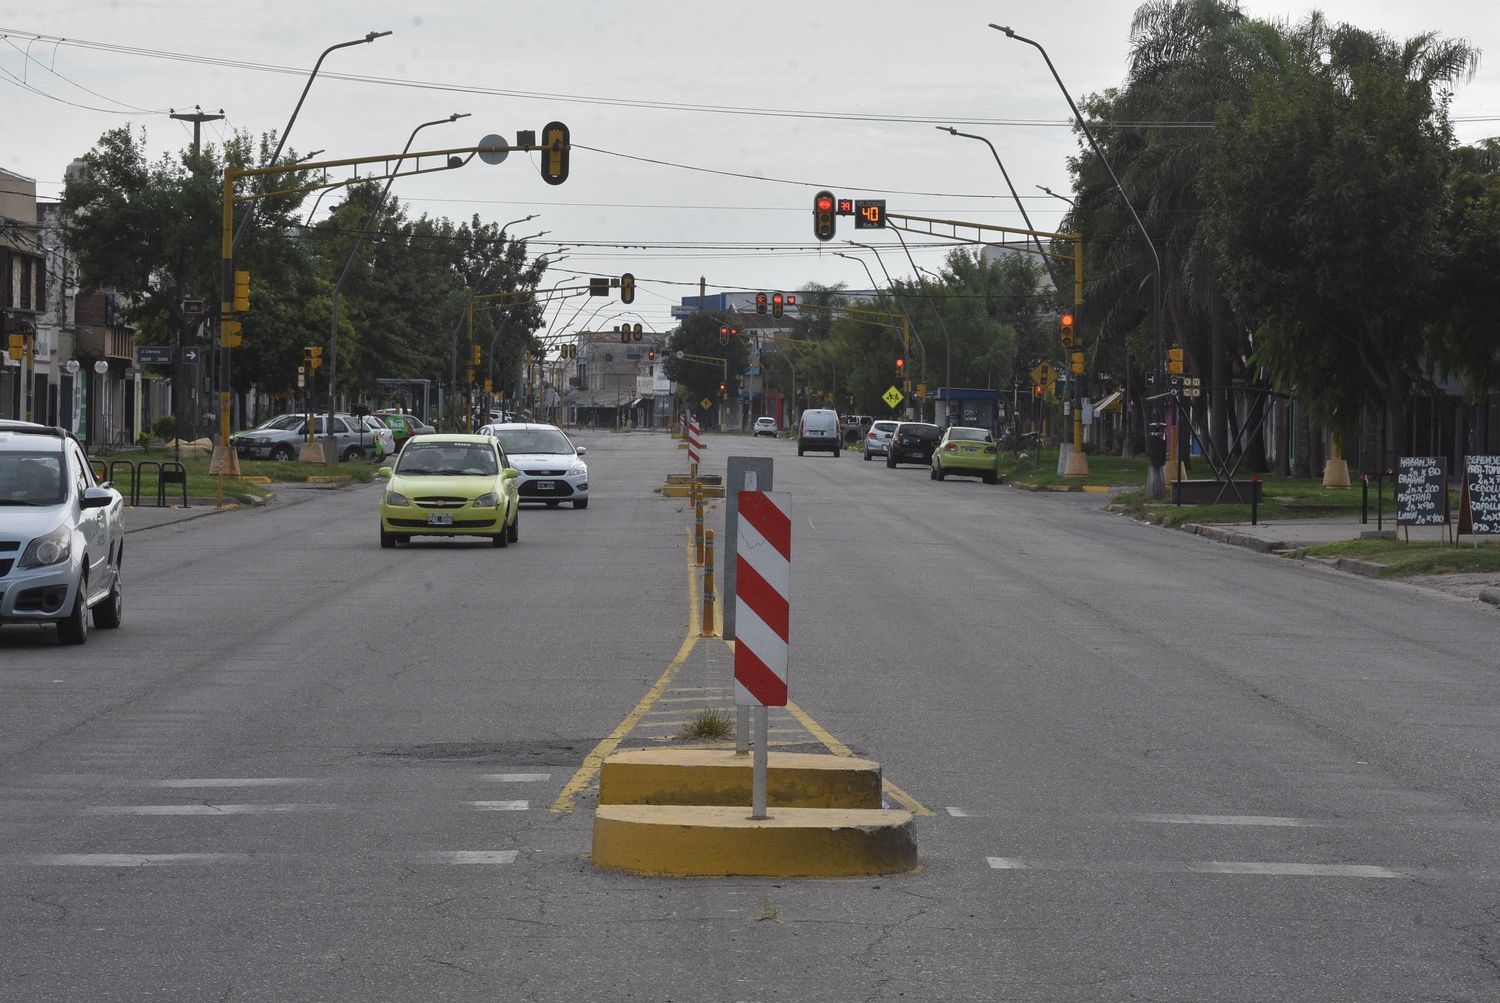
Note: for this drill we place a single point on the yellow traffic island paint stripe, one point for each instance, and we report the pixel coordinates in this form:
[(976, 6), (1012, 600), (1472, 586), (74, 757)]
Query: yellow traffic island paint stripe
[(722, 777), (894, 793), (721, 841), (585, 774)]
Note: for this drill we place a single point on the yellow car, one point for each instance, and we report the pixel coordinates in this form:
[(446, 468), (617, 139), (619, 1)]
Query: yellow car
[(966, 452), (450, 485)]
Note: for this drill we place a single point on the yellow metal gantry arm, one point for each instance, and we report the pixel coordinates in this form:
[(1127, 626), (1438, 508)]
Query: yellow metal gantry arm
[(927, 226)]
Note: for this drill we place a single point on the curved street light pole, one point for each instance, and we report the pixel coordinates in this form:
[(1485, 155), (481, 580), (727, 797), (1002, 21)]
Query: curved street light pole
[(1156, 485), (244, 226), (921, 345), (942, 325), (330, 444), (458, 326)]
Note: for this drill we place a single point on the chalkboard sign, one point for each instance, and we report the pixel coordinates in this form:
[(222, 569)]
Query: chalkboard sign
[(1421, 491), (1479, 512)]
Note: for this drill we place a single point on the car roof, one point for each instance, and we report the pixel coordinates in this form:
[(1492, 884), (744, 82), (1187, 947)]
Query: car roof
[(28, 435), (522, 424), (452, 437), (916, 424)]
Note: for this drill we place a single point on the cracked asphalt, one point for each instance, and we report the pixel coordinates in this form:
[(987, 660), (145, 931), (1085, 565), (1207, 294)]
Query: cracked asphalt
[(1161, 768)]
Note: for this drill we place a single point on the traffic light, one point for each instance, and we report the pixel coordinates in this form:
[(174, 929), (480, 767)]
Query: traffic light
[(475, 355), (241, 291), (627, 288), (312, 356), (1067, 331), (723, 388), (760, 302), (823, 218), (1036, 391), (489, 385), (650, 355), (778, 303), (1174, 361), (900, 368), (624, 330), (635, 333), (555, 153), (724, 335), (791, 301), (17, 347), (229, 334), (1075, 363)]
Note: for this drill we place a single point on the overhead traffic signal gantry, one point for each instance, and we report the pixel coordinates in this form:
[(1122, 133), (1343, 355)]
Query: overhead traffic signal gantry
[(823, 217)]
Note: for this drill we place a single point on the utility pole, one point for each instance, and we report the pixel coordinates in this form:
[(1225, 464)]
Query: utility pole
[(197, 116)]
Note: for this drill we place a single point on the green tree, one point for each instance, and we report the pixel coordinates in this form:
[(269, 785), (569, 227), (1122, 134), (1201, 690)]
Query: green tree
[(1464, 339), (1324, 207), (696, 379)]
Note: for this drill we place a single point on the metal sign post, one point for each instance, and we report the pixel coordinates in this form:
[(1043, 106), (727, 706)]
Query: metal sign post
[(744, 473), (763, 609)]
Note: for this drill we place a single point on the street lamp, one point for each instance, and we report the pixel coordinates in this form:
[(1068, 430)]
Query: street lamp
[(331, 448), (942, 325), (1054, 194), (1156, 485), (100, 368), (909, 323)]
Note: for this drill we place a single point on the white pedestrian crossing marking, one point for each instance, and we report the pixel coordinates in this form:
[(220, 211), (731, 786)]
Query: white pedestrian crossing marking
[(232, 782), (122, 859), (500, 805), (470, 857), (205, 809), (517, 778), (1274, 869), (1266, 820)]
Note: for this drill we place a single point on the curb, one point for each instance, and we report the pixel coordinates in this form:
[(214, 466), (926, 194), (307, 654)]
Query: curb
[(1234, 539), (720, 777), (708, 841)]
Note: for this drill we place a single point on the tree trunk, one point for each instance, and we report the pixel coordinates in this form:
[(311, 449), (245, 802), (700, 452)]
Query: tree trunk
[(1301, 438), (1255, 442)]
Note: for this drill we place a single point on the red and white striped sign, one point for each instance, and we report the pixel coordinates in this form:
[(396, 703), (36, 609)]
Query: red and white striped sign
[(695, 439), (762, 598)]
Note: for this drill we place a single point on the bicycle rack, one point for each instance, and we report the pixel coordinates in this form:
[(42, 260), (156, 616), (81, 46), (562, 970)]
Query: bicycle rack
[(175, 474), (135, 487), (134, 477)]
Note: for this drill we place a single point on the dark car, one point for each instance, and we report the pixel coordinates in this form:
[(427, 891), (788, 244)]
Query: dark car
[(913, 442)]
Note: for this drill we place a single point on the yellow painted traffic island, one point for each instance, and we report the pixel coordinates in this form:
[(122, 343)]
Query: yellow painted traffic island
[(719, 777), (723, 841)]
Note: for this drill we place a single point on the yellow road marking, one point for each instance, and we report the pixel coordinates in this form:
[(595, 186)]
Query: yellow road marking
[(595, 759), (838, 748)]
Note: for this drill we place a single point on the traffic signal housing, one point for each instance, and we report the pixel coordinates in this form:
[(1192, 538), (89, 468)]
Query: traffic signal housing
[(1174, 361), (627, 288), (778, 304), (823, 218), (312, 356), (555, 153), (1068, 338), (474, 354), (241, 291), (1075, 363), (229, 334), (760, 302), (900, 368)]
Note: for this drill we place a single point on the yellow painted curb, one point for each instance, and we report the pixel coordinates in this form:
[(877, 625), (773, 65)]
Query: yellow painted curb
[(708, 841), (683, 490), (1096, 489), (719, 777)]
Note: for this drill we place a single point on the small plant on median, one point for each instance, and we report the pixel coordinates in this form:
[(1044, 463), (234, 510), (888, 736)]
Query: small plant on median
[(710, 724)]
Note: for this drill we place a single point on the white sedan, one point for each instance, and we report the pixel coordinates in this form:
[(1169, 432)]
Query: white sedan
[(766, 426), (552, 468)]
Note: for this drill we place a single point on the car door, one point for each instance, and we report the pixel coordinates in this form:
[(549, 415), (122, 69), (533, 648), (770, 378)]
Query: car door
[(93, 523)]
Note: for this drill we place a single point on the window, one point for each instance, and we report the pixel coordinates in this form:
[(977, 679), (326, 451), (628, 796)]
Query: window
[(26, 283)]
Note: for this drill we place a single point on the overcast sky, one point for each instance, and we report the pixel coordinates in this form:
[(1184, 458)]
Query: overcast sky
[(605, 68)]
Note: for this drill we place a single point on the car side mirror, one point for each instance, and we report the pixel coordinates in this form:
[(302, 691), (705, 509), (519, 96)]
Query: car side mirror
[(384, 472), (96, 498), (582, 450), (509, 474)]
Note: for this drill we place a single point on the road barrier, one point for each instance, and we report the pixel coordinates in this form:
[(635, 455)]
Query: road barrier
[(708, 582)]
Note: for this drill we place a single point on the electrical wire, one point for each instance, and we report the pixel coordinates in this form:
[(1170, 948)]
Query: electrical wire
[(103, 97)]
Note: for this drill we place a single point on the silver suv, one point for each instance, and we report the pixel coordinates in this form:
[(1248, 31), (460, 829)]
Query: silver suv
[(878, 438), (62, 535), (282, 437)]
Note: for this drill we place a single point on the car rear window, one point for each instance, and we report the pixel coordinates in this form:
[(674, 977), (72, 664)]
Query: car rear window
[(884, 426), (923, 432), (973, 434)]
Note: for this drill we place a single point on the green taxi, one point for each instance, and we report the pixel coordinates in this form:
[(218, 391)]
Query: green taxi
[(966, 452)]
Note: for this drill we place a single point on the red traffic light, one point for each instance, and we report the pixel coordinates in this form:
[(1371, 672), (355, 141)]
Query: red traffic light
[(760, 302), (778, 301), (791, 301), (825, 203), (900, 365), (823, 219), (1067, 320)]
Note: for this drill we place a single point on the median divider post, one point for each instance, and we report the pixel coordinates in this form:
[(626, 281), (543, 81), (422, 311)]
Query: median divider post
[(708, 581)]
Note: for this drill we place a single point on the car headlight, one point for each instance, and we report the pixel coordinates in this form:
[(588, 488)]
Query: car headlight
[(579, 470), (489, 500), (396, 498), (54, 548)]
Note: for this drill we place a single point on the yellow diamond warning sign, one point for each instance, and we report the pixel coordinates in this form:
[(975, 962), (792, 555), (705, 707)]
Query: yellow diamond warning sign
[(893, 397), (705, 403)]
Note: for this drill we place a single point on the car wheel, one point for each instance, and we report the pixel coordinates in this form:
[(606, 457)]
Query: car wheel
[(387, 540), (282, 453), (932, 474), (513, 531), (937, 472), (890, 461), (991, 478), (837, 453), (799, 450), (353, 453), (502, 538), (580, 503), (109, 613), (75, 629), (867, 456)]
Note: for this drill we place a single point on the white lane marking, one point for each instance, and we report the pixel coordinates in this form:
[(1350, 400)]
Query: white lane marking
[(470, 857), (231, 782), (204, 809), (1203, 867), (517, 778), (500, 805), (957, 812), (122, 859), (1269, 820)]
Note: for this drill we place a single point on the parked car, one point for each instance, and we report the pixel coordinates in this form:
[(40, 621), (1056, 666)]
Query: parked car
[(403, 426), (818, 428), (62, 535), (282, 437), (966, 452), (552, 468), (766, 426), (912, 442), (450, 485), (878, 438), (385, 439)]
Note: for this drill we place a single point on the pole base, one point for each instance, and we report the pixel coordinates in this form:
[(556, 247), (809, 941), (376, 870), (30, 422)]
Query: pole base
[(1077, 464), (1336, 473)]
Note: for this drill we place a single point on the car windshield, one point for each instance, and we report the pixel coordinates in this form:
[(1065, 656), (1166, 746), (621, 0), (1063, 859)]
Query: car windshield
[(883, 426), (283, 422), (920, 431), (31, 478), (534, 440), (448, 459), (972, 434)]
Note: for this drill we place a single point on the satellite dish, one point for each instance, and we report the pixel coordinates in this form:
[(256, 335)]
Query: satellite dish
[(496, 152)]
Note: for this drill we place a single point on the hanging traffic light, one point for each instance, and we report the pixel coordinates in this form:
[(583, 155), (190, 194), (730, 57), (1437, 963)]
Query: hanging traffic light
[(723, 388), (624, 330), (778, 303), (635, 333), (627, 288), (1075, 363), (1068, 338), (900, 368), (823, 218), (474, 355), (724, 335), (760, 302), (229, 334), (791, 301), (1174, 361), (650, 355)]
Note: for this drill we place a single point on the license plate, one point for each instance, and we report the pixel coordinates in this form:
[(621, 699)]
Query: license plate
[(546, 485), (439, 519)]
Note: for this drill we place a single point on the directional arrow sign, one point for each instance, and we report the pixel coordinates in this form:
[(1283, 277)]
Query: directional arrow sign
[(190, 355)]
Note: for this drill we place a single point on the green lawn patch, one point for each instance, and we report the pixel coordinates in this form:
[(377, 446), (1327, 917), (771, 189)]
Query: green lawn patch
[(1402, 559), (202, 484)]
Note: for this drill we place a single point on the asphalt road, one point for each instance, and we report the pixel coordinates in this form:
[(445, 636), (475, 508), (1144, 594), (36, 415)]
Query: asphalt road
[(1157, 768)]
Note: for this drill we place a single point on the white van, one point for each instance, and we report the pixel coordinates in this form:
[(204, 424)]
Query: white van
[(818, 428)]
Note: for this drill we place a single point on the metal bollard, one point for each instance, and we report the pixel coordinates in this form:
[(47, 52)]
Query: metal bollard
[(698, 533), (1254, 500), (1364, 502), (708, 585)]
